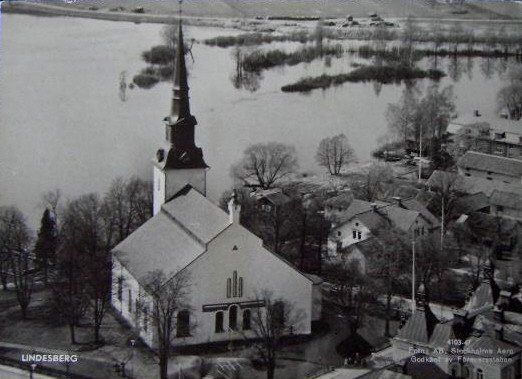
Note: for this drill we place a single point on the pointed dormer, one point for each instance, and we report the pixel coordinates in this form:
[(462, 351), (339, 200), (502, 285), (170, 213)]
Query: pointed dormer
[(179, 161)]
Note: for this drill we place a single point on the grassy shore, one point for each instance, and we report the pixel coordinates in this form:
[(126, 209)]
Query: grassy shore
[(390, 73)]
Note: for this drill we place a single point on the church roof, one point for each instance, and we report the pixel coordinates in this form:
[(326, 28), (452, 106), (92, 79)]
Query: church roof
[(442, 334), (174, 237), (202, 218), (419, 327)]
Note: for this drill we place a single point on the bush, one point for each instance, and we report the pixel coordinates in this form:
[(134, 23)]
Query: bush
[(159, 55), (145, 80)]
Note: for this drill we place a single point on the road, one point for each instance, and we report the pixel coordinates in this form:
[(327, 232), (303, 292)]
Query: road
[(16, 373)]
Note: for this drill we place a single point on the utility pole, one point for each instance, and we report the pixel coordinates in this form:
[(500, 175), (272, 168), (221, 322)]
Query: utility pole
[(420, 151), (413, 275)]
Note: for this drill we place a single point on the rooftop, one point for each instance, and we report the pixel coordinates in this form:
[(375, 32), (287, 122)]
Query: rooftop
[(491, 163), (379, 214), (506, 199), (472, 184), (495, 123), (174, 237)]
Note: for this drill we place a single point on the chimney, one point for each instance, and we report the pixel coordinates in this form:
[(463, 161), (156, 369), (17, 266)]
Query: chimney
[(477, 113), (397, 200), (373, 206), (498, 315), (234, 208)]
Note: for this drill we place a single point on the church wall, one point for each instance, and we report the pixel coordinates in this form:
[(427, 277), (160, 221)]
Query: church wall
[(317, 302), (130, 292), (158, 183), (258, 269)]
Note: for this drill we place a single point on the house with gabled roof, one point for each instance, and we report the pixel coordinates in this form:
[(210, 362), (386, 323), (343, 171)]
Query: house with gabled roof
[(227, 267), (364, 219)]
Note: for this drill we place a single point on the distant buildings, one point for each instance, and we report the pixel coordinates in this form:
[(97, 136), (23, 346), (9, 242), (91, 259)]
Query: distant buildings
[(490, 167), (482, 341), (498, 136)]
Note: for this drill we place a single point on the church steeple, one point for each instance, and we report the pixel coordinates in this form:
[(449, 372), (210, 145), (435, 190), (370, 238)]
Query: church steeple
[(179, 161), (180, 99), (182, 151)]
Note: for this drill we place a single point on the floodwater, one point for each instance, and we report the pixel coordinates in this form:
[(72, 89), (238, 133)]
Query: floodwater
[(63, 124)]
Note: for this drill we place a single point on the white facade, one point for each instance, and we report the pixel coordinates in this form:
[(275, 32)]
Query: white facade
[(168, 182), (347, 234), (231, 276)]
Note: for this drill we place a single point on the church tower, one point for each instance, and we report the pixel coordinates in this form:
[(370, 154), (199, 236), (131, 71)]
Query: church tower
[(179, 161)]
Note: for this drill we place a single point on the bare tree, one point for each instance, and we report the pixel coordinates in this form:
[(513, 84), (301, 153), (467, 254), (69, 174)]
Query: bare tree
[(389, 264), (409, 37), (376, 182), (265, 164), (82, 276), (334, 153), (510, 98), (170, 304), (269, 324), (128, 204), (353, 292), (402, 115), (15, 241)]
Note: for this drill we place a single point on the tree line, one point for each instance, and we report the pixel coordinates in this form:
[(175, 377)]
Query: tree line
[(70, 255)]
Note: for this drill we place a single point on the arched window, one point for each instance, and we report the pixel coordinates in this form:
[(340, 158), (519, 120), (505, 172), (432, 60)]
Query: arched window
[(229, 287), (219, 322), (232, 317), (137, 310), (246, 319), (480, 373), (183, 324), (120, 289), (240, 291), (234, 284), (145, 319), (130, 301)]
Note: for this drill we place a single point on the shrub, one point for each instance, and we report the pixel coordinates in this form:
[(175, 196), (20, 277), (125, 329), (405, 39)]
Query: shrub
[(159, 55), (145, 80)]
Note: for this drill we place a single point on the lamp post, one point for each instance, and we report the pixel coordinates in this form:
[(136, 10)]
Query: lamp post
[(32, 368), (132, 342)]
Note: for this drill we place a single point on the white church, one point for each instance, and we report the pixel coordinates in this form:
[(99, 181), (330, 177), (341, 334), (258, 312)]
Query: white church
[(228, 267)]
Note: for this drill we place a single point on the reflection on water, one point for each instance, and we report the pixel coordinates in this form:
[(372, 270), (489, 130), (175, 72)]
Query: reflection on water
[(64, 124)]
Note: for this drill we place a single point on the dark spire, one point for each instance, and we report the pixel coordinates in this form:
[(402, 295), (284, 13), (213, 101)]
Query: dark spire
[(180, 99)]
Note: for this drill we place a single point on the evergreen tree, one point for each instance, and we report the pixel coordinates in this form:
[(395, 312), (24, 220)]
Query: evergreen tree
[(45, 248)]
